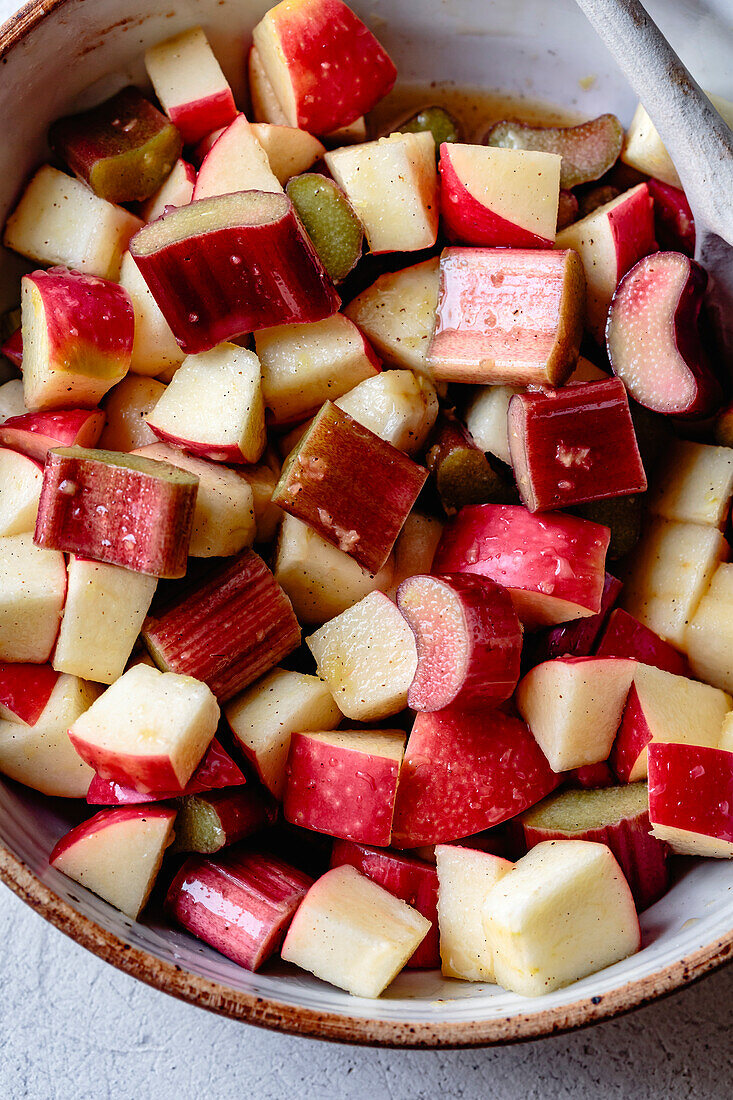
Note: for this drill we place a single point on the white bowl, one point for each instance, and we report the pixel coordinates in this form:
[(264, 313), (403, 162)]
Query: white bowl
[(59, 54)]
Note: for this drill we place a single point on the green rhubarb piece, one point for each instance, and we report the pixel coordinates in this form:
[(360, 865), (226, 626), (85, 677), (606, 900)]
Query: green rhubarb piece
[(623, 516), (587, 151), (435, 120), (330, 222), (462, 472)]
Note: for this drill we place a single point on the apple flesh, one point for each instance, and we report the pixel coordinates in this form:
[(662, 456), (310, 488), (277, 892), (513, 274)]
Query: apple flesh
[(126, 409), (643, 149), (465, 877), (397, 405), (208, 822), (289, 150), (508, 315), (235, 162), (674, 222), (505, 198), (21, 478), (25, 690), (691, 798), (154, 347), (12, 349), (708, 640), (415, 548), (11, 399), (32, 594), (190, 85), (216, 771), (694, 485), (35, 434), (330, 221), (117, 854), (653, 340), (231, 264), (588, 151), (176, 190), (625, 636)]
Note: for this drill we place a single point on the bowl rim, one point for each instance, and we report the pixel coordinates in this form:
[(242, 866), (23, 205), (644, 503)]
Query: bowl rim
[(336, 1027)]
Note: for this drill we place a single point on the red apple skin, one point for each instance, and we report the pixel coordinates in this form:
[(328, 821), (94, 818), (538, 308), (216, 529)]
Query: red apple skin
[(103, 820), (467, 221), (199, 117), (577, 638), (205, 145), (484, 656), (632, 738), (691, 787), (339, 791), (12, 349), (217, 771), (35, 434), (633, 229), (553, 556), (465, 771), (674, 223), (412, 880), (182, 195), (625, 636), (229, 453), (150, 772), (25, 690), (591, 776), (241, 903)]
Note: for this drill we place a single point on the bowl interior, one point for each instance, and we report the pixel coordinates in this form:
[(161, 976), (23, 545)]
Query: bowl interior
[(83, 51)]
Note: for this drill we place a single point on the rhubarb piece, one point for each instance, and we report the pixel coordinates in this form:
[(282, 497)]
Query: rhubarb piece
[(594, 197), (35, 434), (11, 400), (21, 478), (553, 565), (226, 630), (213, 406), (403, 167), (397, 405), (662, 707), (674, 223), (623, 517), (587, 151), (117, 508), (25, 690), (126, 409), (216, 771), (574, 445), (235, 162), (290, 151), (320, 580), (615, 816), (505, 198), (609, 242), (397, 314), (104, 611), (415, 548), (123, 149), (32, 593), (330, 221), (564, 911), (154, 347), (325, 67), (468, 637), (176, 190), (344, 783), (691, 799), (224, 514), (60, 221), (231, 264), (149, 730), (465, 771), (670, 572), (463, 474), (367, 656), (12, 348), (317, 485), (465, 877), (405, 877), (709, 634), (77, 338), (578, 638), (567, 209), (653, 339), (625, 636), (695, 484), (354, 934), (591, 777), (433, 120), (511, 316), (304, 365), (264, 718), (190, 85), (208, 822), (574, 706)]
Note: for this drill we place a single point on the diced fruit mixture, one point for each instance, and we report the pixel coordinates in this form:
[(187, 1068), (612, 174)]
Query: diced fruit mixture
[(469, 696)]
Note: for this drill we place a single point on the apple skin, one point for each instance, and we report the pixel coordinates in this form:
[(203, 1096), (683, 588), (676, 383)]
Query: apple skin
[(412, 880), (217, 771), (577, 638), (241, 904), (200, 116), (591, 777), (35, 434), (691, 791), (176, 191), (674, 223), (625, 636), (25, 690), (107, 819), (12, 349), (169, 64), (464, 772)]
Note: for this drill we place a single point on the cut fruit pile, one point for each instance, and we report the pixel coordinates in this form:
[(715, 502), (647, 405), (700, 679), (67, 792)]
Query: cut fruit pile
[(503, 719)]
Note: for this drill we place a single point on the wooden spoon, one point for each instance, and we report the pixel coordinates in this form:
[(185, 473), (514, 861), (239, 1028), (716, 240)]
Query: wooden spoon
[(698, 140)]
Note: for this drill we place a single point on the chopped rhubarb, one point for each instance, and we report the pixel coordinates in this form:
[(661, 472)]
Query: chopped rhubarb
[(587, 151), (623, 516), (436, 121), (463, 474), (625, 636), (35, 434), (577, 638), (208, 822), (330, 222)]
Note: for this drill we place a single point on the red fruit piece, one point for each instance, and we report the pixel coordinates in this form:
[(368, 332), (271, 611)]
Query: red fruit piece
[(653, 339), (674, 224), (35, 434), (12, 349), (24, 691), (625, 636), (577, 638), (208, 822), (691, 798), (469, 641), (216, 771)]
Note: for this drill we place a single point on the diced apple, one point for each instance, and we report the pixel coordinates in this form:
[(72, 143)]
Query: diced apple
[(35, 434), (117, 508), (117, 854), (190, 85), (289, 150), (11, 399), (553, 566), (643, 148), (24, 691), (367, 656), (232, 264), (588, 151), (305, 365), (321, 580), (216, 771), (403, 167), (674, 222), (32, 593), (325, 67), (397, 405), (695, 484), (352, 933), (670, 573), (126, 409), (415, 548), (148, 730), (508, 315), (265, 104), (662, 707), (235, 162), (499, 197), (154, 347), (335, 230), (227, 629), (176, 190), (465, 877), (262, 480), (486, 419), (691, 799), (208, 822), (625, 636), (578, 637), (60, 221), (610, 241), (709, 634), (21, 478), (564, 911), (12, 349)]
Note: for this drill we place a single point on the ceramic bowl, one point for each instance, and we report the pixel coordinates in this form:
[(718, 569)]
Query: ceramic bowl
[(60, 54)]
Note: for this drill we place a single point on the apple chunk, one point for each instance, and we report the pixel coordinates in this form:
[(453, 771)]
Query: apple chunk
[(126, 408), (465, 876), (35, 434), (25, 689), (625, 636), (32, 593), (289, 150), (709, 635), (564, 911), (352, 933), (176, 190), (397, 405), (190, 84), (148, 730), (117, 854), (216, 771), (154, 347), (235, 162), (21, 478), (695, 484), (691, 798)]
